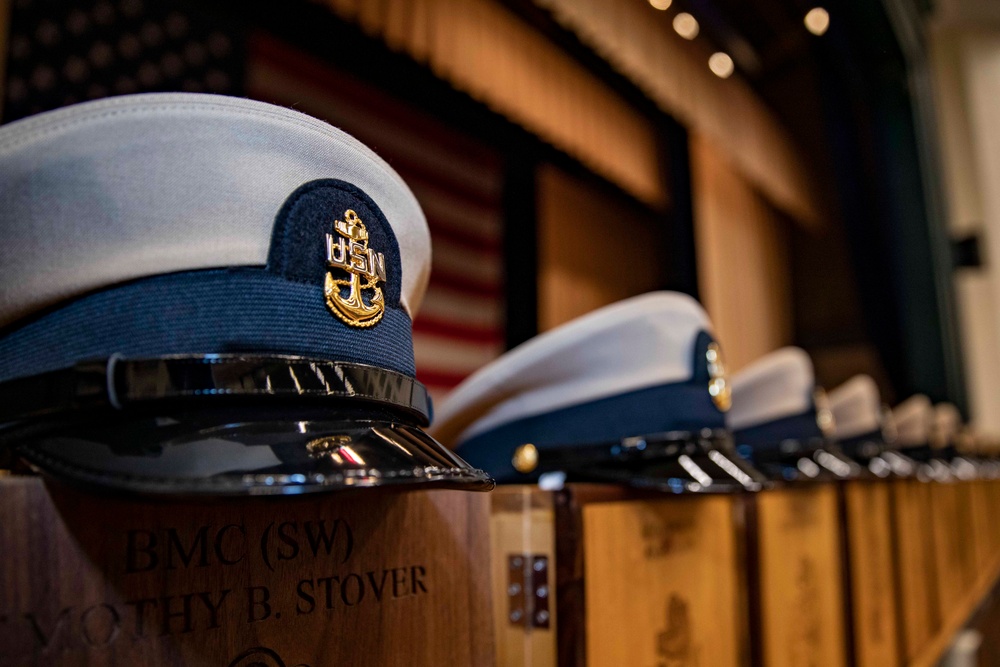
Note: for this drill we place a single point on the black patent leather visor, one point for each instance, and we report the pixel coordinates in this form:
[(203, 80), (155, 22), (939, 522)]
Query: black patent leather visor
[(229, 425), (670, 462)]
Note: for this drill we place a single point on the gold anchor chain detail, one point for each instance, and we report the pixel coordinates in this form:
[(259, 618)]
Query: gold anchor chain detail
[(348, 252)]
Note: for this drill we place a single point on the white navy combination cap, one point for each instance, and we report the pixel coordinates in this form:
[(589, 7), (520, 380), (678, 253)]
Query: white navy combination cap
[(774, 399), (857, 412), (862, 426), (914, 419), (946, 427), (780, 420), (211, 294), (621, 394)]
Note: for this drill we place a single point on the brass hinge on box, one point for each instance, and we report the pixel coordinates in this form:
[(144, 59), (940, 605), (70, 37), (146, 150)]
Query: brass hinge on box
[(528, 590)]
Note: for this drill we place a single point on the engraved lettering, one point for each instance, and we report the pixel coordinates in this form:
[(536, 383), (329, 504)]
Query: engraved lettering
[(140, 551), (317, 534), (255, 603), (56, 636), (220, 537), (305, 597), (379, 587), (213, 609), (167, 614), (264, 553), (140, 614), (285, 535), (399, 582), (199, 544), (345, 589), (328, 589), (415, 579), (100, 625)]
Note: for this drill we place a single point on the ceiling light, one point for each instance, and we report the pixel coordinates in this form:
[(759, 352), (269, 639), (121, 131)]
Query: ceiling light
[(686, 25), (661, 4), (817, 20), (721, 65)]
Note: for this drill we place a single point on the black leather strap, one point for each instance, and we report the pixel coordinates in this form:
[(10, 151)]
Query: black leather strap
[(122, 384)]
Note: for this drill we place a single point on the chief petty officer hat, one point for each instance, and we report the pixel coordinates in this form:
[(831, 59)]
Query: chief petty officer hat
[(633, 393), (205, 294), (948, 440), (864, 428), (782, 422), (914, 419), (915, 424)]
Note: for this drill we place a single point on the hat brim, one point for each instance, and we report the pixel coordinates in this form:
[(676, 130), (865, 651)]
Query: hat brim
[(199, 455)]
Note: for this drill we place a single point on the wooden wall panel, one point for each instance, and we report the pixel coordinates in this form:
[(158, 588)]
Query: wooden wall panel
[(743, 265), (593, 250)]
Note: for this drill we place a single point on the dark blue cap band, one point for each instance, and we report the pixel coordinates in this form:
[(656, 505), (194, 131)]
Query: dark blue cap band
[(801, 427), (204, 312), (681, 406), (277, 309)]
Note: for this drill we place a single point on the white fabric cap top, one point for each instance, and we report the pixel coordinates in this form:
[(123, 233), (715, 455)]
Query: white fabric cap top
[(129, 187), (778, 385), (857, 408), (947, 424), (914, 419), (640, 342)]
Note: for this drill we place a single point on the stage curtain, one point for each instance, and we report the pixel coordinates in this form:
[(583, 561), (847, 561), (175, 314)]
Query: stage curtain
[(483, 49)]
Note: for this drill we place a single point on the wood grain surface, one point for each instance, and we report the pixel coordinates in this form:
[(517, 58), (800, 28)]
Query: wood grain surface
[(522, 523), (987, 533), (874, 622), (664, 583), (916, 566), (369, 578), (949, 547), (801, 577)]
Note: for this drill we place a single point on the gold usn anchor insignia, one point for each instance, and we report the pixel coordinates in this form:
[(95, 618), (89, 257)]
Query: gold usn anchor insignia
[(365, 268)]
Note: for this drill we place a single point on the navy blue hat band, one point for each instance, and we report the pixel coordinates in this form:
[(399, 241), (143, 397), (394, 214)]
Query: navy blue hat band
[(226, 311), (802, 427), (678, 406)]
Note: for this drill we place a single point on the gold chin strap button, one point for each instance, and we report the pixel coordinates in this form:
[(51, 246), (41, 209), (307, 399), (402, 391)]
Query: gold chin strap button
[(525, 458)]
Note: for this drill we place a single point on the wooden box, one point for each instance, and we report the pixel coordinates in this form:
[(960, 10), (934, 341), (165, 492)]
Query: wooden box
[(874, 623), (370, 578), (916, 568), (800, 584), (954, 578), (987, 535), (627, 579)]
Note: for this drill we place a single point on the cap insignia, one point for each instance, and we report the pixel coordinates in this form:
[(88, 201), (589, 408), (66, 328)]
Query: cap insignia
[(351, 285), (718, 382)]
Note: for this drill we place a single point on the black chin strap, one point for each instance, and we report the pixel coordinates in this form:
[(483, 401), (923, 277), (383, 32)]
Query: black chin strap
[(122, 384)]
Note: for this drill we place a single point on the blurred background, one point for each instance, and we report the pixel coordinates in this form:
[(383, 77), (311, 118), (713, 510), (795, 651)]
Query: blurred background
[(825, 175)]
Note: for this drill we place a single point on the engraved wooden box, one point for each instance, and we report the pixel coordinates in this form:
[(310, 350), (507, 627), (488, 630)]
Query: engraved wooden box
[(598, 576), (916, 565), (874, 619), (797, 579), (369, 578)]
